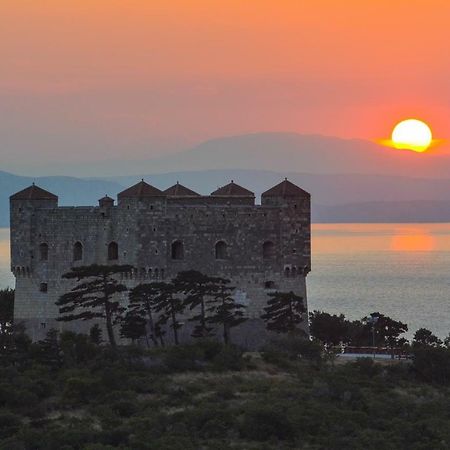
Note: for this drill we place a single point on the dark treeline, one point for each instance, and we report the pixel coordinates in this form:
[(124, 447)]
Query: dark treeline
[(75, 391)]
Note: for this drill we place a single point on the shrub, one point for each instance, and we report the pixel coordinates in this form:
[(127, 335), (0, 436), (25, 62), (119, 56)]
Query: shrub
[(293, 347), (9, 424), (229, 358), (432, 364), (80, 390), (367, 367), (183, 358), (263, 422)]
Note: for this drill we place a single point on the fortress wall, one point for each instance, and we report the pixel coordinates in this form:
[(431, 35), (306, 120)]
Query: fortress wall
[(145, 231)]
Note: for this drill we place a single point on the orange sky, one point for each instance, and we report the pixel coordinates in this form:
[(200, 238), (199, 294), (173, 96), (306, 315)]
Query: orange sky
[(97, 78)]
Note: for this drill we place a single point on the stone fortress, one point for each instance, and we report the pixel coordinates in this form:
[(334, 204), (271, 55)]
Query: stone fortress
[(260, 248)]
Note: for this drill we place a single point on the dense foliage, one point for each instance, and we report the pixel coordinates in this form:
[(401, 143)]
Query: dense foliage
[(376, 329), (6, 310), (69, 393)]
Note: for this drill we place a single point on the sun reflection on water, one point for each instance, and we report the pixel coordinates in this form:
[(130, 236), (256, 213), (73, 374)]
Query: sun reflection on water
[(412, 240)]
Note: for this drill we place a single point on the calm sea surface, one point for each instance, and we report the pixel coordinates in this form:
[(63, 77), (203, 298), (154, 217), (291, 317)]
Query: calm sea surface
[(402, 270)]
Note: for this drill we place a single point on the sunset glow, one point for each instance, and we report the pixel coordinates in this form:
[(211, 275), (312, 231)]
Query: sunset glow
[(412, 134), (419, 242), (104, 79)]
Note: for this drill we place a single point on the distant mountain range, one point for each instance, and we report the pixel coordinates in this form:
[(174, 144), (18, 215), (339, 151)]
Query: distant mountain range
[(350, 180), (280, 152), (336, 197)]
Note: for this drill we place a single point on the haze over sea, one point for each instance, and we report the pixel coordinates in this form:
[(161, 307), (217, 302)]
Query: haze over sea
[(402, 270)]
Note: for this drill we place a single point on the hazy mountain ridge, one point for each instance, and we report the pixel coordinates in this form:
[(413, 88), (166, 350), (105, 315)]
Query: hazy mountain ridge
[(282, 152)]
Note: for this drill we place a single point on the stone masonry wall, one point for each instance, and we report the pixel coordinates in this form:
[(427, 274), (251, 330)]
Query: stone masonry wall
[(144, 231)]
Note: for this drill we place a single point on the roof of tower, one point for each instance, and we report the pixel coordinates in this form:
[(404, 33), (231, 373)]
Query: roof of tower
[(141, 190), (286, 189), (34, 192), (233, 190), (178, 190), (106, 197)]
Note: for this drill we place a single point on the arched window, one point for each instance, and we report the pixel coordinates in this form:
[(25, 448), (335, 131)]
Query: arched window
[(77, 251), (287, 272), (221, 250), (177, 250), (156, 273), (43, 252), (113, 251), (268, 250), (294, 271)]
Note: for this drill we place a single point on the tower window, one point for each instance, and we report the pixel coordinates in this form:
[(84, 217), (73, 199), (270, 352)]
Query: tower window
[(43, 287), (77, 251), (221, 250), (113, 251), (269, 285), (268, 250), (43, 252), (177, 250)]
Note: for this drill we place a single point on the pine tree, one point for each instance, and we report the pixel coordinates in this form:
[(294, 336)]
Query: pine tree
[(284, 313), (95, 296), (383, 330), (169, 306), (196, 287), (225, 310), (96, 334), (425, 338), (133, 326), (142, 302), (50, 352)]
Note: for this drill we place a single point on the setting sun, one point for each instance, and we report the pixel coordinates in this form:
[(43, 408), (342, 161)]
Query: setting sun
[(412, 134)]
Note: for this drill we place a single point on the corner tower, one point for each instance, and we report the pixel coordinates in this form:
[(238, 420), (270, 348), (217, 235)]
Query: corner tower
[(30, 250), (23, 206)]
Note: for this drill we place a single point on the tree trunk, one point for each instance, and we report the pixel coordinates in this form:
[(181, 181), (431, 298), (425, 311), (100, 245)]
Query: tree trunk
[(146, 339), (202, 318), (175, 331), (151, 325), (109, 327), (226, 334), (226, 329)]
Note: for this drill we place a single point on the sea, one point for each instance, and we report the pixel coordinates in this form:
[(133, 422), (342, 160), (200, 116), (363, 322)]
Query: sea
[(398, 269)]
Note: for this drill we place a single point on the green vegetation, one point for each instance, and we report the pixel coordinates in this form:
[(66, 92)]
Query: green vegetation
[(72, 391), (69, 393)]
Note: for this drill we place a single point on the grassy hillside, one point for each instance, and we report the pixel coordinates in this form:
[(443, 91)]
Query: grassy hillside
[(206, 396)]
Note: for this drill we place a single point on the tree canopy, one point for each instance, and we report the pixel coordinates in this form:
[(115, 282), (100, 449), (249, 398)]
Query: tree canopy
[(95, 296)]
